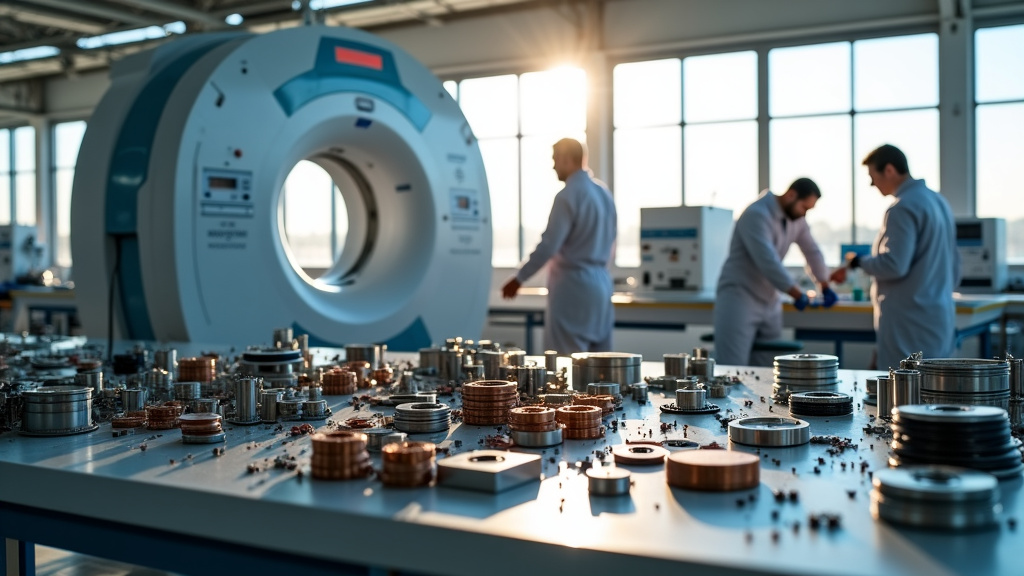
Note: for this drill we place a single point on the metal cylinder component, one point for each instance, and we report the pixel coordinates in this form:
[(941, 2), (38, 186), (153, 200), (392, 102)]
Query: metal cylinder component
[(283, 337), (375, 438), (1016, 377), (430, 358), (156, 380), (608, 481), (314, 410), (972, 381), (906, 387), (640, 392), (422, 417), (619, 367), (268, 404), (315, 392), (273, 365), (543, 439), (691, 399), (472, 372), (246, 405), (936, 497), (551, 360), (600, 388), (166, 359), (493, 362), (885, 396), (713, 470), (133, 399), (92, 380), (820, 403), (515, 357), (372, 353), (394, 438), (186, 391), (700, 353), (57, 411), (204, 405), (451, 364), (677, 364), (769, 431), (703, 368), (289, 408), (530, 380)]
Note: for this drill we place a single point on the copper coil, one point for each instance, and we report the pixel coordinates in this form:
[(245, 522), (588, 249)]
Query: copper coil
[(359, 458), (358, 423), (488, 388), (603, 401), (504, 404), (177, 405), (163, 412), (532, 415), (341, 441), (89, 364), (161, 424), (200, 424), (362, 371), (197, 369), (407, 452), (127, 422), (407, 480), (136, 414), (583, 433), (542, 427), (714, 470), (579, 416), (340, 455), (338, 381), (483, 421), (384, 375)]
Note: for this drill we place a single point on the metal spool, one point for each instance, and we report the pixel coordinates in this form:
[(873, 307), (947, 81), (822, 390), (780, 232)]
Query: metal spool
[(608, 481), (57, 411), (157, 381), (530, 380), (268, 404), (451, 364), (551, 360), (906, 387), (964, 375), (273, 365), (936, 497), (422, 417), (166, 359), (92, 380), (769, 431), (884, 399), (605, 388), (702, 368), (133, 399), (246, 405), (691, 399), (430, 358), (493, 361), (289, 409), (204, 405), (530, 439), (372, 353), (515, 357), (314, 410), (805, 373), (820, 404), (640, 392), (283, 337), (619, 367), (186, 391), (677, 364)]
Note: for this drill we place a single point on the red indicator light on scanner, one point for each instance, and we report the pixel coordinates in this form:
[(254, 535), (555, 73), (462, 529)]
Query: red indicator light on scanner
[(357, 58)]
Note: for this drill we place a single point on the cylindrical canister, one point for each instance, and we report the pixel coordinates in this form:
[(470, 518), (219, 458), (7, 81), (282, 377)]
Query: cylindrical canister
[(133, 399), (691, 399), (1016, 375), (885, 396), (493, 361), (906, 387), (372, 353), (246, 405), (677, 364), (92, 380), (551, 360)]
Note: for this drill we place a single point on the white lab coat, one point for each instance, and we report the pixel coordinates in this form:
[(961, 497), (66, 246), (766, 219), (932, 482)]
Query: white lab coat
[(578, 243), (915, 265), (747, 304)]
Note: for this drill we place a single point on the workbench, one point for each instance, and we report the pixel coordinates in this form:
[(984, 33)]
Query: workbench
[(179, 507)]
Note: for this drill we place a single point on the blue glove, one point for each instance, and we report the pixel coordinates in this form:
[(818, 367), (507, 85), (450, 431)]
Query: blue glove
[(828, 297), (801, 302)]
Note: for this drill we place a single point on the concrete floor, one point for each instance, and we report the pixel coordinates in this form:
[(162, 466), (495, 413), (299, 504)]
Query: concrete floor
[(56, 562)]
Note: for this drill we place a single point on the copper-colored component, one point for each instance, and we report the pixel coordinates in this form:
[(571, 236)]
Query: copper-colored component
[(362, 372), (197, 370), (581, 422), (639, 455), (487, 402), (128, 422), (359, 423), (162, 417), (339, 381), (533, 419), (89, 364), (340, 456), (713, 470), (384, 375), (407, 464), (605, 402), (200, 424)]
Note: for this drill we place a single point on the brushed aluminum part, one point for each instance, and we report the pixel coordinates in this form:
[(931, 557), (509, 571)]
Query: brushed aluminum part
[(57, 411), (619, 367), (315, 410), (820, 403), (884, 401), (871, 386), (608, 481), (430, 358), (394, 438), (186, 391), (807, 361), (702, 368), (246, 403), (494, 362), (906, 387), (133, 399), (949, 413), (515, 357), (537, 439), (965, 375), (640, 392), (490, 471), (92, 380), (372, 353), (397, 399), (639, 454), (687, 399), (551, 360), (471, 372), (936, 483), (283, 337), (530, 379), (375, 438), (677, 364), (1016, 376), (289, 409), (603, 388), (204, 405), (699, 353), (934, 516), (769, 431), (668, 383), (422, 417)]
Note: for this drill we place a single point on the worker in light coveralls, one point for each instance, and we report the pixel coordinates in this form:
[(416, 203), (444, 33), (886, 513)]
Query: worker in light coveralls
[(747, 302), (914, 263), (578, 242)]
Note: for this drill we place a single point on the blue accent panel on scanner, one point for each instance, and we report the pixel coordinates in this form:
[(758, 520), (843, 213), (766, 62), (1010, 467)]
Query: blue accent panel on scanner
[(328, 76), (133, 297), (669, 233), (414, 337)]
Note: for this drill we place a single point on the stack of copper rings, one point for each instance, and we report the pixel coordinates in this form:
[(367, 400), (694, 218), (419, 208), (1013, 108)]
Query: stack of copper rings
[(535, 426), (487, 402), (407, 464), (339, 381), (340, 456), (197, 369), (130, 419), (201, 428), (606, 402), (362, 371), (581, 422), (162, 417), (384, 376)]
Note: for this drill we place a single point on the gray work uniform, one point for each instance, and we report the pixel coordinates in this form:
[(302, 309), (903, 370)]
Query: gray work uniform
[(915, 266), (747, 304), (578, 242)]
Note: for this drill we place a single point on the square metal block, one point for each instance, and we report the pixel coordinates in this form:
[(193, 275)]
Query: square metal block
[(488, 470)]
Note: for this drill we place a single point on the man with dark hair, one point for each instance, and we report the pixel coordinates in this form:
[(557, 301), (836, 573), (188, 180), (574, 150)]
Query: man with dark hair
[(914, 262), (578, 241), (747, 304)]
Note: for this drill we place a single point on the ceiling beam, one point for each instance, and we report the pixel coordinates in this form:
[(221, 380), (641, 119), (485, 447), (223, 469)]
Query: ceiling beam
[(49, 19), (81, 7), (178, 11)]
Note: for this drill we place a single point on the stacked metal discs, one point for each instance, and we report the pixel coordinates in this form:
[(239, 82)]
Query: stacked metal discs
[(201, 428), (936, 497), (581, 422), (289, 408), (612, 389), (605, 402), (619, 367), (422, 417), (186, 392), (162, 417), (407, 464), (276, 366), (805, 373), (713, 470), (314, 409), (534, 426), (202, 369), (487, 402), (820, 403), (871, 391), (976, 437), (965, 381), (774, 432), (340, 456), (57, 411), (337, 381), (677, 364)]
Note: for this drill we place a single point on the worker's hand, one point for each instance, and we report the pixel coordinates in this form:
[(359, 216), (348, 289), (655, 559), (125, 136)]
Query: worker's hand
[(828, 297), (801, 302), (510, 289), (838, 275)]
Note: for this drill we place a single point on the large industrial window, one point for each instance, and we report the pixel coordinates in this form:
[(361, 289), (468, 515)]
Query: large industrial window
[(999, 125), (18, 175), (517, 118), (685, 132), (67, 138)]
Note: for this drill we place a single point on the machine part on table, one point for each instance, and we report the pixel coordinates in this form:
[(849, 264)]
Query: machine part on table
[(820, 404), (871, 391), (471, 372), (556, 399), (283, 337), (407, 464), (134, 419), (494, 362), (936, 497), (702, 368), (361, 369), (906, 387), (640, 392), (718, 391), (164, 417), (201, 428), (396, 399), (92, 380), (699, 353), (166, 359), (668, 383), (677, 364), (340, 456), (608, 481), (430, 359), (969, 436), (605, 403), (531, 379), (708, 408), (246, 403), (204, 405), (133, 399), (713, 470), (276, 367), (551, 360), (202, 369), (691, 399), (490, 471), (487, 402), (338, 381), (528, 439), (422, 417), (370, 353), (315, 410), (618, 367), (639, 454), (965, 381), (605, 389), (315, 392), (268, 404), (885, 397), (804, 373), (1016, 376), (157, 381), (375, 438), (769, 432), (532, 419), (581, 422), (57, 411), (395, 438), (515, 357), (289, 408), (186, 391)]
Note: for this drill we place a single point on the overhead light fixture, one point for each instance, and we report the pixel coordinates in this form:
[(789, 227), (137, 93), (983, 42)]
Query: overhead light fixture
[(325, 4), (130, 36), (234, 19), (34, 53)]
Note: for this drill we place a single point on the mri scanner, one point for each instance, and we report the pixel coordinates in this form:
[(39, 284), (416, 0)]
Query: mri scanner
[(177, 221)]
